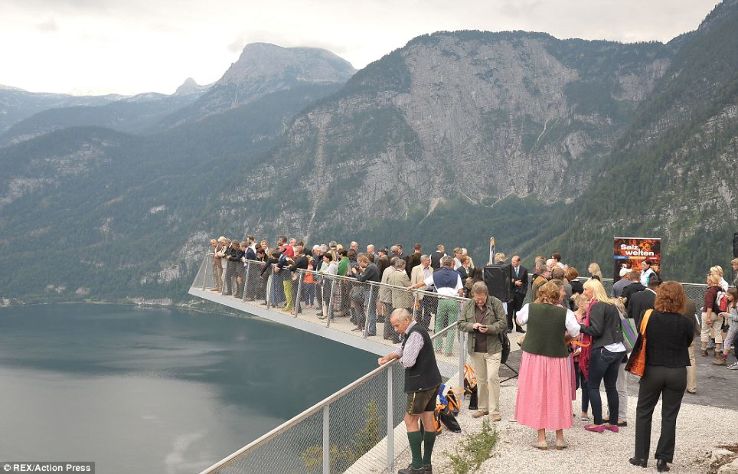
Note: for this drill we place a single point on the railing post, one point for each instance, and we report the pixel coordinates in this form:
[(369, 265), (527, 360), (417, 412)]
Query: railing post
[(390, 423), (326, 439), (415, 307), (246, 281), (269, 285), (298, 292), (367, 310), (205, 276), (462, 352), (329, 311)]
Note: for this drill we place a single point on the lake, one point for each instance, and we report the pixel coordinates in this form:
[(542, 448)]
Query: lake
[(154, 390)]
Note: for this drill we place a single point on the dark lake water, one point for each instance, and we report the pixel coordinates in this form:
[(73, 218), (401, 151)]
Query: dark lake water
[(154, 390)]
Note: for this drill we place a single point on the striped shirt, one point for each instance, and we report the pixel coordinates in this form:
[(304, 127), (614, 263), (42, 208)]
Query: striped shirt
[(409, 355)]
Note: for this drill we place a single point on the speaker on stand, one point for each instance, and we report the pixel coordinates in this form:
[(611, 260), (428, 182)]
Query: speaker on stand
[(498, 279)]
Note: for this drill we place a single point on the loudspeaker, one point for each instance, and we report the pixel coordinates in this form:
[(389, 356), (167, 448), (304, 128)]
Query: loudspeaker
[(497, 278), (735, 245)]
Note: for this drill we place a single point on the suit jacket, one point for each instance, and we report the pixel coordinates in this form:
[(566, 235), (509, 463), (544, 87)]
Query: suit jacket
[(417, 276), (639, 303), (523, 276), (630, 290)]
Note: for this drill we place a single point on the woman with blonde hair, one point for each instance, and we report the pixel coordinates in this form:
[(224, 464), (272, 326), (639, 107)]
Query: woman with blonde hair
[(543, 399), (718, 270), (607, 351), (594, 271)]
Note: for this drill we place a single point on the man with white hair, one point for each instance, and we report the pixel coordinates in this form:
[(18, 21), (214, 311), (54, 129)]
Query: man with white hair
[(422, 379)]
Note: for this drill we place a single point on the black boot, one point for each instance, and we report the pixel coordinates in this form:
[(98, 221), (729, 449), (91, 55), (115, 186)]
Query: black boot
[(638, 462), (662, 466)]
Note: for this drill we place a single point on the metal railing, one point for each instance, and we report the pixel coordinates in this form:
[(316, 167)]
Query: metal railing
[(352, 429)]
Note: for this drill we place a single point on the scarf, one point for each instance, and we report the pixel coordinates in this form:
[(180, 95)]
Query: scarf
[(586, 343)]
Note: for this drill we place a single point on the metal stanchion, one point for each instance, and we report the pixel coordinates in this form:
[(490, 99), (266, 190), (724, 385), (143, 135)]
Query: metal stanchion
[(329, 310), (298, 293)]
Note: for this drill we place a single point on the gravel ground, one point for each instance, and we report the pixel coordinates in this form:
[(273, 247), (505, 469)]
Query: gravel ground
[(700, 429)]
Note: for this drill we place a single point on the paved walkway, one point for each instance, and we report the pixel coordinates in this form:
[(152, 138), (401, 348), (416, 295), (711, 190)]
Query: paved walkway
[(700, 429)]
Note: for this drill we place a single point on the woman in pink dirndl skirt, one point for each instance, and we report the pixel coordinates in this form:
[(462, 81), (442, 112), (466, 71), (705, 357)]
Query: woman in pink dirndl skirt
[(543, 400)]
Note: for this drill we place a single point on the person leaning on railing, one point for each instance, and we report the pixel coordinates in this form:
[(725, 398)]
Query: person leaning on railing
[(422, 379), (485, 318)]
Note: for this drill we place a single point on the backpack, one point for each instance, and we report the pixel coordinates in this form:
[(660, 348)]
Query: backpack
[(721, 302)]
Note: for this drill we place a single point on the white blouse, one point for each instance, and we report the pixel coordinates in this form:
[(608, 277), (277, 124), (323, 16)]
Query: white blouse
[(572, 326)]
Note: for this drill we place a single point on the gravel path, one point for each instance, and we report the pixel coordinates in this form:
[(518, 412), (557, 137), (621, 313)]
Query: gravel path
[(699, 430)]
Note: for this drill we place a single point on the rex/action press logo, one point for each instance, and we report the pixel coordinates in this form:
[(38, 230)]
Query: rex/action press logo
[(48, 466)]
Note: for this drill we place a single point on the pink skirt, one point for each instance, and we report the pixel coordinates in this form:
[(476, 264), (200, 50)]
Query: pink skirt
[(544, 396)]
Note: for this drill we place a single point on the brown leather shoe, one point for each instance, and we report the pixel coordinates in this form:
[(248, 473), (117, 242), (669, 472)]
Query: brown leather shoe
[(479, 414), (494, 418)]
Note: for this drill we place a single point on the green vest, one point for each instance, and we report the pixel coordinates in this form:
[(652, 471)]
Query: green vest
[(545, 331)]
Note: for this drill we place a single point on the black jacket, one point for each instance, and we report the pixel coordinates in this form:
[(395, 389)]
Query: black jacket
[(604, 325), (523, 276), (639, 303), (631, 289)]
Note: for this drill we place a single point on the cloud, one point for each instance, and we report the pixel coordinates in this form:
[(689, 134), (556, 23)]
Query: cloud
[(48, 26)]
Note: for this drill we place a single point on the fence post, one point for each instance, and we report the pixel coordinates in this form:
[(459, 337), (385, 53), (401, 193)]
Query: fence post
[(269, 285), (390, 423), (415, 307), (326, 440), (329, 311), (462, 352), (367, 310), (246, 281), (205, 276), (298, 291)]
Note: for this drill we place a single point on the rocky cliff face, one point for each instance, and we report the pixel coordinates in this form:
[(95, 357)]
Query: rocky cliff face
[(467, 115), (263, 69)]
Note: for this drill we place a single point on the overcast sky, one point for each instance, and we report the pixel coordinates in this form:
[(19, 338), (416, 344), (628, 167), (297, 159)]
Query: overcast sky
[(134, 46)]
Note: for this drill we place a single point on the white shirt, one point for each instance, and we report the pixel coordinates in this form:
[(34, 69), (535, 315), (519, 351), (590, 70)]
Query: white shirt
[(645, 275), (572, 326), (446, 291)]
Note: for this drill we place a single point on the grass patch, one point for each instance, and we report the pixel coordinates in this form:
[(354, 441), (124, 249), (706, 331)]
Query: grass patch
[(473, 450)]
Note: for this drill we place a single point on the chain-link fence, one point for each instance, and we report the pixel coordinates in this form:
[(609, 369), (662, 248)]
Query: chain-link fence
[(355, 429)]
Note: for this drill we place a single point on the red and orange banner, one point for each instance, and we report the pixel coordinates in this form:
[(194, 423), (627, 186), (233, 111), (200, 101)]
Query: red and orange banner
[(629, 252)]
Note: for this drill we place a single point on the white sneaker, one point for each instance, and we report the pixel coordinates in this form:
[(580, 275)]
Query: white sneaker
[(733, 366)]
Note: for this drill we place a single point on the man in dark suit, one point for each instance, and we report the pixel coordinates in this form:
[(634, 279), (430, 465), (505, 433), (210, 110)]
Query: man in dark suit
[(630, 290), (519, 287), (643, 300), (437, 256)]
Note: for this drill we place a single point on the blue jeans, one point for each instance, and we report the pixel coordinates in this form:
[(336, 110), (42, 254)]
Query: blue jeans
[(604, 365)]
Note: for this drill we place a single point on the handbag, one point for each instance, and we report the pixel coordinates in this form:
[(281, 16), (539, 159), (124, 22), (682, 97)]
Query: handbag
[(637, 363), (630, 335)]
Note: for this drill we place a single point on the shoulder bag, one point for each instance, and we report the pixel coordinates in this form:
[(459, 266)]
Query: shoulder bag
[(637, 363)]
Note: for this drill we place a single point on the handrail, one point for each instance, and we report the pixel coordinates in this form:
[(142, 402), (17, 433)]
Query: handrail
[(313, 409)]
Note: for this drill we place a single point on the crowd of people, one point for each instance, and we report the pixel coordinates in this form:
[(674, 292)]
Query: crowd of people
[(571, 333)]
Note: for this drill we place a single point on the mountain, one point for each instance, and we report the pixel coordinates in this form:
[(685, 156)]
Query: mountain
[(672, 172), (463, 119), (262, 69), (190, 87), (139, 114), (120, 207), (17, 104), (546, 144)]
